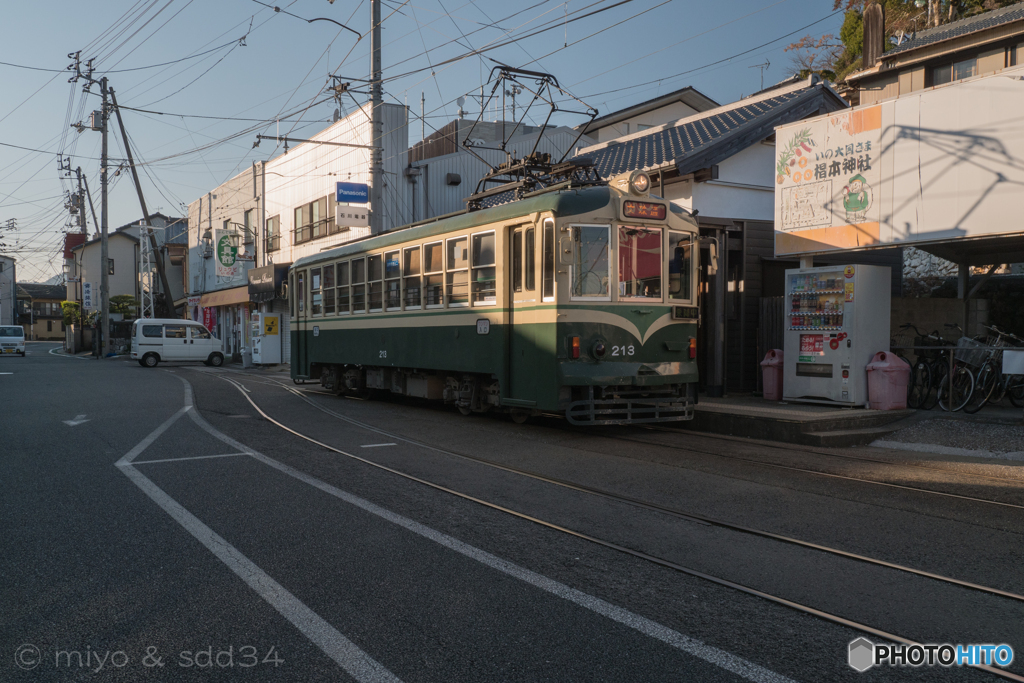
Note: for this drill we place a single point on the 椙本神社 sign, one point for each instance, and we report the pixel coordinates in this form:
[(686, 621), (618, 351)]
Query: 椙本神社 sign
[(933, 166), (827, 180)]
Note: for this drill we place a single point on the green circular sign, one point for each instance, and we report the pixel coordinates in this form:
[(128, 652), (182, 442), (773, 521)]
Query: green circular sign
[(225, 252)]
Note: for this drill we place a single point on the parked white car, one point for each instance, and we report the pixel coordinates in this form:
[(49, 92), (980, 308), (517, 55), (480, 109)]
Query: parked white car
[(12, 340), (169, 339)]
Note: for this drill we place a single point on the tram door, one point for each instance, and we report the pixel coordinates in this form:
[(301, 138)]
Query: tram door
[(522, 288), (302, 347)]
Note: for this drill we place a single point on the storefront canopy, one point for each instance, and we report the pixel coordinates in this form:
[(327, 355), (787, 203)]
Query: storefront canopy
[(225, 297)]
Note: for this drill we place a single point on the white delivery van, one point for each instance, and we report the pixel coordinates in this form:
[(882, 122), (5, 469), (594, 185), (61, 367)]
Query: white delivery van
[(12, 340), (170, 339)]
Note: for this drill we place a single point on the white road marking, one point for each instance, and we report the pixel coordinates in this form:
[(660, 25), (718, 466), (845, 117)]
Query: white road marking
[(79, 419), (691, 646), (377, 445), (353, 660), (197, 457)]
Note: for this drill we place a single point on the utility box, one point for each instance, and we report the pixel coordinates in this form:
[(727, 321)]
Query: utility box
[(838, 319), (266, 338)]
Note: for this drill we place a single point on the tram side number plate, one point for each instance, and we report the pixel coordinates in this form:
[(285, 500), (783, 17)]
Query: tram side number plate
[(483, 326), (316, 330)]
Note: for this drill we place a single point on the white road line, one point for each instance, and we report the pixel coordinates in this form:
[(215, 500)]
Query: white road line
[(377, 445), (196, 457), (691, 646), (353, 660)]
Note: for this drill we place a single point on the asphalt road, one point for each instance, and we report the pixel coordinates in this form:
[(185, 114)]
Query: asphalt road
[(157, 527)]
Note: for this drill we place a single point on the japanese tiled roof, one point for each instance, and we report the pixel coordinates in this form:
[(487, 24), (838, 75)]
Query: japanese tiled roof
[(703, 140), (40, 291), (963, 27)]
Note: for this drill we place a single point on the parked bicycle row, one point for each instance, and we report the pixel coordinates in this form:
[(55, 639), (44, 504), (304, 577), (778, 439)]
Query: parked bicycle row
[(976, 366)]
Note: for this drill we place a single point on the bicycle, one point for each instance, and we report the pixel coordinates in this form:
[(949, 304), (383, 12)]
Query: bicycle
[(919, 389), (990, 384), (967, 354)]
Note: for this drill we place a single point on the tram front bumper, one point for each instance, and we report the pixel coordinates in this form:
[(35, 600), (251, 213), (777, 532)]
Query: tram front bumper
[(582, 373)]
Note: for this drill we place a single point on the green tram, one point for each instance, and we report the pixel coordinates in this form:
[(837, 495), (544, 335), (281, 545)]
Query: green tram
[(573, 301)]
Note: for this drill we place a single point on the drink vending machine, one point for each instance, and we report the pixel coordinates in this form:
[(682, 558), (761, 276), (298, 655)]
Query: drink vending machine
[(836, 319), (266, 338)]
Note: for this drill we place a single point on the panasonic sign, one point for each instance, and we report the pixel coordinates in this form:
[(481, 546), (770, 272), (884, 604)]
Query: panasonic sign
[(352, 193)]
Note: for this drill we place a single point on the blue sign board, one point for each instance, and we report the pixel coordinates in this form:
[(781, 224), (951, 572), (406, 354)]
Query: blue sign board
[(353, 193)]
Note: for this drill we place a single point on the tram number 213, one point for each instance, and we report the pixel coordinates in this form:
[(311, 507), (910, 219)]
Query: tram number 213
[(623, 350)]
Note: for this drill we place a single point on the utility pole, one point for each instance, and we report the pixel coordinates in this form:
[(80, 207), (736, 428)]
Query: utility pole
[(423, 116), (157, 256), (104, 253), (376, 123), (81, 203), (104, 257)]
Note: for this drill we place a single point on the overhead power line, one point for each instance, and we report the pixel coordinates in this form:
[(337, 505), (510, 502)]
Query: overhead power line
[(137, 68)]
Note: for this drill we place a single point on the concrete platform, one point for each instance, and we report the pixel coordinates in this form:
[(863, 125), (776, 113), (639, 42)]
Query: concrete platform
[(797, 423)]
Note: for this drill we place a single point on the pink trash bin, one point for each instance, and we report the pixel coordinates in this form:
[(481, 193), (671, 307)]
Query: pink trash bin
[(771, 369), (888, 378)]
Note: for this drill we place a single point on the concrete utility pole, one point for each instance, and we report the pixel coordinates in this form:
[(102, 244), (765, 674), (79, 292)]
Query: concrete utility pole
[(104, 258), (376, 123), (81, 203)]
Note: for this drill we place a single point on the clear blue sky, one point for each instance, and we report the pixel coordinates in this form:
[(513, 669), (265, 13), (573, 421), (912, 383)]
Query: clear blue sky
[(283, 64)]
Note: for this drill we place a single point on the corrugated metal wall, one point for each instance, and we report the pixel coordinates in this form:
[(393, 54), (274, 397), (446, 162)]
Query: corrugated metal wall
[(434, 197)]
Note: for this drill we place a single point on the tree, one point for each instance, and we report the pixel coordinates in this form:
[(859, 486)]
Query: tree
[(124, 304), (835, 59)]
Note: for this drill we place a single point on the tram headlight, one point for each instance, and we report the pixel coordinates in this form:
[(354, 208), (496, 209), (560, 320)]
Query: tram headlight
[(599, 350), (640, 183)]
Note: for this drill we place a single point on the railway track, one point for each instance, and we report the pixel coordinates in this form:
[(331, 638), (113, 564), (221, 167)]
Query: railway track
[(679, 514)]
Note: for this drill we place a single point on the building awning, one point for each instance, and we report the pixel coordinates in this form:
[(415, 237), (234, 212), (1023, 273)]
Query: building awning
[(226, 297), (265, 283)]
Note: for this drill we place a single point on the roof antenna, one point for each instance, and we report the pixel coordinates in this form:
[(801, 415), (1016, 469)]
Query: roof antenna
[(762, 67)]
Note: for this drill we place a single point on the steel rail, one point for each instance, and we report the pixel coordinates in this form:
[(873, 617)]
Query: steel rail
[(806, 609), (798, 449), (805, 470)]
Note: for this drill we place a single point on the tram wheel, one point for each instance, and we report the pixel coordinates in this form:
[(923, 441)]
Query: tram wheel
[(465, 411), (519, 416)]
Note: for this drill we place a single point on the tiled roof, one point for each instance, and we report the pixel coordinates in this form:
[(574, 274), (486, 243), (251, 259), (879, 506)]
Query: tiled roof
[(690, 137), (963, 27), (38, 291)]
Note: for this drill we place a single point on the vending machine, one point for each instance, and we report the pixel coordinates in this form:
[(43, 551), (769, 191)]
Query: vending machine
[(266, 338), (836, 318)]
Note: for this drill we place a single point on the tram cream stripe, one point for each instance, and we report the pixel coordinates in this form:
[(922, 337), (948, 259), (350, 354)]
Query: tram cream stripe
[(691, 646), (353, 660)]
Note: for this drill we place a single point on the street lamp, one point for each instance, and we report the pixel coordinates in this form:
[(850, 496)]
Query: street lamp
[(207, 243)]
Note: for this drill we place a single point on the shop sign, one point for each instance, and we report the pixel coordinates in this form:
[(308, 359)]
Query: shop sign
[(87, 302), (228, 265)]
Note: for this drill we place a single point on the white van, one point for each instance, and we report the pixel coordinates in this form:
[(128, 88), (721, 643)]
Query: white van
[(12, 340), (170, 339)]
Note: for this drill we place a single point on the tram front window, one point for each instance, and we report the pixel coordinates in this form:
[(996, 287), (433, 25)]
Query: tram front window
[(590, 261), (640, 262)]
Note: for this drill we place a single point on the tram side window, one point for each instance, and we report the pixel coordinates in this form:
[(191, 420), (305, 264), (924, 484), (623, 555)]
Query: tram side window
[(328, 289), (484, 291), (412, 277), (315, 299), (292, 292), (548, 269), (375, 273), (680, 265), (639, 262), (530, 260), (343, 290), (359, 285), (517, 261), (433, 280), (457, 272), (590, 261), (301, 291), (392, 280)]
